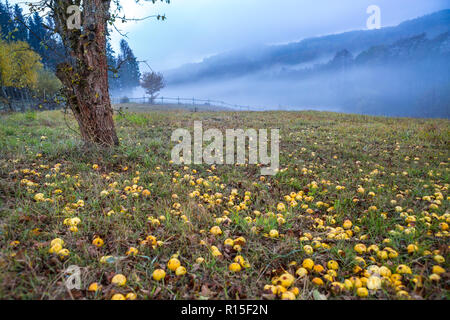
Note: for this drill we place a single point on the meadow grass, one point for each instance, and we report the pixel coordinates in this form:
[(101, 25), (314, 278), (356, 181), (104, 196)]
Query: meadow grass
[(364, 192)]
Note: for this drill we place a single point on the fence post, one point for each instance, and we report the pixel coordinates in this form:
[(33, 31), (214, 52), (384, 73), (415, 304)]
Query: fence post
[(162, 100), (178, 100)]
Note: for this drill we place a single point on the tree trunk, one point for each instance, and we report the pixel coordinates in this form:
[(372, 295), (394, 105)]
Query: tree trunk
[(85, 77)]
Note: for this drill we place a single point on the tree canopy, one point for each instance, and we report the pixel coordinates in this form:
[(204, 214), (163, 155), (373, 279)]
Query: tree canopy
[(19, 65)]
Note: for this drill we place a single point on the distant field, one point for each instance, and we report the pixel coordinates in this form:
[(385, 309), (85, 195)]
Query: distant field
[(139, 107), (359, 210)]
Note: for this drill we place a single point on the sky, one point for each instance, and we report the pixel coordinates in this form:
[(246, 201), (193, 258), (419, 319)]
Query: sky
[(196, 29)]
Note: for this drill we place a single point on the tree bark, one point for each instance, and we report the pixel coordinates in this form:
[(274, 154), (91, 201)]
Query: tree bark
[(85, 76)]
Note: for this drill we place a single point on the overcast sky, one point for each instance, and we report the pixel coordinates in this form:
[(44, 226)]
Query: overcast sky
[(195, 29)]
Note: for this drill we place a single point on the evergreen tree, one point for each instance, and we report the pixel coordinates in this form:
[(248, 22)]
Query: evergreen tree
[(53, 52), (37, 34), (113, 76), (129, 74), (21, 31), (6, 25)]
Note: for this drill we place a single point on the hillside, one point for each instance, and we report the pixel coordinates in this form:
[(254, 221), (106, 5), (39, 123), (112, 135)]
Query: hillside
[(401, 71), (311, 50)]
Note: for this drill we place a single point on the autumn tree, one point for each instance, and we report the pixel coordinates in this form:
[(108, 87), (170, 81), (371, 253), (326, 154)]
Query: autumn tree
[(152, 82), (19, 68), (84, 74)]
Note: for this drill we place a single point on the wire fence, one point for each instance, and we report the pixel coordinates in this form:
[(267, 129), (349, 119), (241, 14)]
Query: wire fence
[(196, 104), (158, 103), (22, 105)]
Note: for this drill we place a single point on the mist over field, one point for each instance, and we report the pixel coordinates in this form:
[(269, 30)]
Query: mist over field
[(396, 71)]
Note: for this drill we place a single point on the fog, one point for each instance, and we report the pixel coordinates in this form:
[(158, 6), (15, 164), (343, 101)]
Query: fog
[(396, 71), (389, 90), (258, 93), (421, 89)]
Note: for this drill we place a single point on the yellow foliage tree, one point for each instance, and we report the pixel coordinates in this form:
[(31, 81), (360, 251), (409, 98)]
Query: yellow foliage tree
[(19, 65), (19, 68)]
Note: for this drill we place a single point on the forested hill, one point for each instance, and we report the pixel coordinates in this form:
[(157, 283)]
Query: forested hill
[(395, 71), (308, 51)]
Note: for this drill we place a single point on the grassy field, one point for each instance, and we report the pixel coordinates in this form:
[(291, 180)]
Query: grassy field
[(139, 107), (359, 210)]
